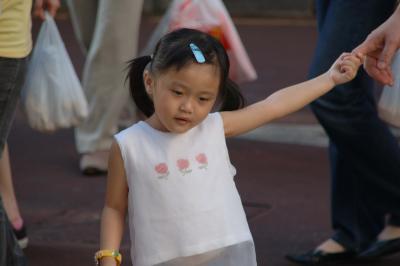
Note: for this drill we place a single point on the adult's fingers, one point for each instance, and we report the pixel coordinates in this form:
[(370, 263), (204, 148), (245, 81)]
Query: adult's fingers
[(49, 5), (52, 6), (52, 10), (38, 10), (383, 76), (387, 54), (371, 44)]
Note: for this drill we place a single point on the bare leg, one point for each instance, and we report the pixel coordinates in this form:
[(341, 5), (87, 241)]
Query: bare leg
[(7, 191)]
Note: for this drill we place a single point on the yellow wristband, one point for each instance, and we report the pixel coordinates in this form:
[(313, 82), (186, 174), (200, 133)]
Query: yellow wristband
[(107, 253)]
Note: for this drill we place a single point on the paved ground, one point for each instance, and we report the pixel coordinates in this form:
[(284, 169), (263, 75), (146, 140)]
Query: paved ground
[(285, 187)]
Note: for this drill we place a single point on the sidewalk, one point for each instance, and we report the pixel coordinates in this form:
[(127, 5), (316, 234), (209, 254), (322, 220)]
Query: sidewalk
[(284, 187)]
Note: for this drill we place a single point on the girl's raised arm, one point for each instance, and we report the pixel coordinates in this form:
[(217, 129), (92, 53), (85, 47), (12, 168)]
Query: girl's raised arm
[(290, 99), (114, 212)]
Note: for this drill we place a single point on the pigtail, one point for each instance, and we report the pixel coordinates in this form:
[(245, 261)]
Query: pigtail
[(232, 99), (142, 100)]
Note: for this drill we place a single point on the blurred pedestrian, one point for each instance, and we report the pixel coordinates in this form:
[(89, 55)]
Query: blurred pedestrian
[(108, 33), (15, 46), (172, 172), (364, 154)]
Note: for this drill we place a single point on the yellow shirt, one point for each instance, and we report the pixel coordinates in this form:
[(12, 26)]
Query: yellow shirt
[(15, 28)]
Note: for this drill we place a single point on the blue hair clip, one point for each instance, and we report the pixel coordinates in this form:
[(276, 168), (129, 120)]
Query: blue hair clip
[(197, 53)]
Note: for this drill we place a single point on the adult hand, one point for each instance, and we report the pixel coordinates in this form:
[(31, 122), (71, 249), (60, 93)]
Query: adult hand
[(380, 47), (45, 5)]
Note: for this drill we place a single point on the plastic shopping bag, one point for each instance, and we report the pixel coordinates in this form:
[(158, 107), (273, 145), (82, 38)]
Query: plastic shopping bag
[(52, 96), (389, 103), (212, 17)]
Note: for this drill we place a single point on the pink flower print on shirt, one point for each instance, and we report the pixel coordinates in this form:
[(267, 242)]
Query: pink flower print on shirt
[(183, 166), (201, 158), (162, 170)]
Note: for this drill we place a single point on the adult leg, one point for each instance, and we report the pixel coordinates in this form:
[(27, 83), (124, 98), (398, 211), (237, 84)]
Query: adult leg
[(10, 201), (11, 79), (364, 154), (83, 17), (114, 42), (7, 188)]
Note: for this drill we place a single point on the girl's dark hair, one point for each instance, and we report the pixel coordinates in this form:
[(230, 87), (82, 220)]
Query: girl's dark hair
[(173, 51)]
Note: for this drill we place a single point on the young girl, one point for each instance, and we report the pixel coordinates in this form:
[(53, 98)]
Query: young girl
[(172, 171)]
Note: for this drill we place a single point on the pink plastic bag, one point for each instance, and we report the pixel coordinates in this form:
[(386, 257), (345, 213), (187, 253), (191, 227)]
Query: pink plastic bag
[(212, 17)]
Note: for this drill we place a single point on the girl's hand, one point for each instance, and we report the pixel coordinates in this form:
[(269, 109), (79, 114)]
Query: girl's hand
[(345, 68)]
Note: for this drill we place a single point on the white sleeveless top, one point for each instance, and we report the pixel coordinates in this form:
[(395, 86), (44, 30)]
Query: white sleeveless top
[(184, 208)]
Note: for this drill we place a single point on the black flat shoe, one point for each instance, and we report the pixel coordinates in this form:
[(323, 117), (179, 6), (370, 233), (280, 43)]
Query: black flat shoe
[(380, 249), (318, 257)]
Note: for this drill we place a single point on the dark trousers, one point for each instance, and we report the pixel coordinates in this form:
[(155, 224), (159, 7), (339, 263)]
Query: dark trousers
[(364, 155), (12, 76), (12, 73)]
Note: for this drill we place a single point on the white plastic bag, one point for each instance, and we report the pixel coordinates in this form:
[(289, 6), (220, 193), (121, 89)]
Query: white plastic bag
[(52, 96), (212, 17), (389, 103)]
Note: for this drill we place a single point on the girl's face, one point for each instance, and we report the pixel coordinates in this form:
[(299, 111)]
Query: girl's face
[(182, 99)]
